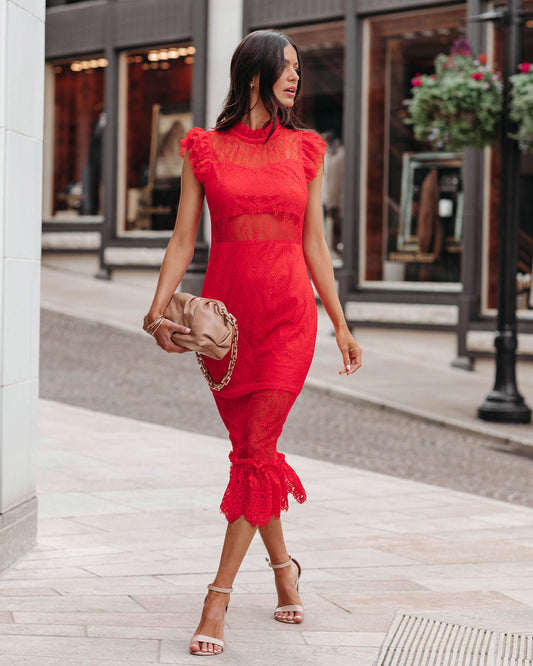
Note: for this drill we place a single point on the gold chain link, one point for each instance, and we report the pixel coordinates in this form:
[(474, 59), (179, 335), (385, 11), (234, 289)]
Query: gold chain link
[(234, 349)]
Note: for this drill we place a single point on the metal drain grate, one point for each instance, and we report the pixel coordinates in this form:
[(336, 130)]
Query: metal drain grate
[(515, 650), (421, 641)]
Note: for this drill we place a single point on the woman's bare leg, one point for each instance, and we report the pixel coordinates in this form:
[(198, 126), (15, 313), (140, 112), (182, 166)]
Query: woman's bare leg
[(239, 535), (272, 535)]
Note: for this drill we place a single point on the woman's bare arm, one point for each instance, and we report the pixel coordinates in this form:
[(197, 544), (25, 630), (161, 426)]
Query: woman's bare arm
[(318, 262), (177, 257)]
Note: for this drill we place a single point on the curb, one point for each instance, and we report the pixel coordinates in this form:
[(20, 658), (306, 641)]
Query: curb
[(516, 443)]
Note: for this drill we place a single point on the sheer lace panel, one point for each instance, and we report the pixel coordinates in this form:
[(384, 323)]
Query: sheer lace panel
[(265, 227), (230, 149), (260, 478)]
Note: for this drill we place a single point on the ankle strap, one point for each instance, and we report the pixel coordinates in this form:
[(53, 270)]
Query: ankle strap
[(279, 566), (223, 590)]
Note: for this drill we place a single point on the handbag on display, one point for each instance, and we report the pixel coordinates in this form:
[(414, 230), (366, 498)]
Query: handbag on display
[(214, 331)]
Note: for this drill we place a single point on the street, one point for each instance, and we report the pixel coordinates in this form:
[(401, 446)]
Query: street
[(105, 369)]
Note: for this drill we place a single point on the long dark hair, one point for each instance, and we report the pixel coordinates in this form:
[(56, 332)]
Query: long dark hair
[(261, 52)]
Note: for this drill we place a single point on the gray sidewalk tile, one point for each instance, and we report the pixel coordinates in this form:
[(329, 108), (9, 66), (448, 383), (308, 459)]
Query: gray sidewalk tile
[(15, 660), (28, 592), (151, 632), (497, 582), (71, 603), (41, 630), (132, 650), (61, 527), (354, 639), (22, 574), (122, 585), (103, 618), (245, 653), (427, 600), (60, 505), (524, 596)]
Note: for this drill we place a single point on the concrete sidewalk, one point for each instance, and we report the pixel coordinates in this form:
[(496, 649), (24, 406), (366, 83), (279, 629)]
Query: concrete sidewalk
[(405, 370), (129, 536)]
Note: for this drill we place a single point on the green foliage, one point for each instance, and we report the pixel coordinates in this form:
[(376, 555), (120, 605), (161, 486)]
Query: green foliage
[(521, 109), (458, 106)]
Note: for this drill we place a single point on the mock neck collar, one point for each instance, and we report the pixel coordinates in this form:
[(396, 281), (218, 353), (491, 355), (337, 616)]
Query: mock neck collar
[(254, 135)]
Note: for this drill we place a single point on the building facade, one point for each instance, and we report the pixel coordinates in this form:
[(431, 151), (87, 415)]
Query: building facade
[(127, 78)]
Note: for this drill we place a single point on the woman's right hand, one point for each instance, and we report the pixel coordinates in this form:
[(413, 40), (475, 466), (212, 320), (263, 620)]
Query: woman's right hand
[(163, 336)]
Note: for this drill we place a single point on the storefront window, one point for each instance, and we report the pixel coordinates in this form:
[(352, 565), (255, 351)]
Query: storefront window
[(412, 197), (321, 106), (155, 115), (75, 127)]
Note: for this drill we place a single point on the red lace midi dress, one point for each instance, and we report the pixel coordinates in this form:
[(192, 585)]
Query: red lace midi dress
[(256, 189)]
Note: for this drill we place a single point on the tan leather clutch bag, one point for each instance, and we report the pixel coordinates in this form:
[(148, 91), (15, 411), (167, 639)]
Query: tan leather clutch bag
[(213, 331)]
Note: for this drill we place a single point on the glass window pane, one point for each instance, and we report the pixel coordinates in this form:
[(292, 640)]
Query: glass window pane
[(74, 190), (414, 198), (156, 116)]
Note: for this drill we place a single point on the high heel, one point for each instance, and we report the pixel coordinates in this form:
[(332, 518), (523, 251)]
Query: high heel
[(201, 638), (295, 608)]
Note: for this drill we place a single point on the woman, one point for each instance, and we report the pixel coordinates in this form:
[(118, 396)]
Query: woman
[(262, 176)]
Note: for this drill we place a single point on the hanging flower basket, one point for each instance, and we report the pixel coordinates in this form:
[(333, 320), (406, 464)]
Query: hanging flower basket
[(521, 106), (458, 106)]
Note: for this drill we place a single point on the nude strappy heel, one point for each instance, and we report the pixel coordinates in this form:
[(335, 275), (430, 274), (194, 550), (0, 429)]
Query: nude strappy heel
[(200, 638), (296, 608)]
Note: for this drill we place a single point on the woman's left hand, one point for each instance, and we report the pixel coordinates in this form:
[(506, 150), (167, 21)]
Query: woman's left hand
[(352, 354)]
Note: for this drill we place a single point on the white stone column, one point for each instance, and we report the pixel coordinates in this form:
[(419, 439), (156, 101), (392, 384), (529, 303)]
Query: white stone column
[(21, 138), (224, 32)]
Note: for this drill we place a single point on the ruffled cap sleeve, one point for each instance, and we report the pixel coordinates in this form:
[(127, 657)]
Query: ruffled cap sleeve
[(197, 145), (313, 151)]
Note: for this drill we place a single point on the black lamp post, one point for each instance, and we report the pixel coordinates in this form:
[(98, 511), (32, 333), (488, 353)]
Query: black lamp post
[(504, 403)]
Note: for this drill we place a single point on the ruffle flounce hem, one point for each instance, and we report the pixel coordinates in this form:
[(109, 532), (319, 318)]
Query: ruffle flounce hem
[(260, 491)]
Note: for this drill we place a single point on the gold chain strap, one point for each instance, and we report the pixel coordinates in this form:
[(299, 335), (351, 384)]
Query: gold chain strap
[(234, 349)]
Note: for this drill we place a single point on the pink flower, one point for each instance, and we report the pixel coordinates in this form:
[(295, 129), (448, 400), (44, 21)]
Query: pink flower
[(416, 82), (477, 76), (524, 67)]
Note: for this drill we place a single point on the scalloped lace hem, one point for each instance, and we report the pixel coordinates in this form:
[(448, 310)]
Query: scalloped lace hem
[(260, 491)]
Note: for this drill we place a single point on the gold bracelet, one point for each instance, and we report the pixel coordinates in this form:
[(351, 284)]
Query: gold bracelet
[(153, 322), (156, 327), (151, 326)]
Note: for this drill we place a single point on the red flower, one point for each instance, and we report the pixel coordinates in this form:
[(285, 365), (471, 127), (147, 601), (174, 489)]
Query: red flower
[(477, 76), (482, 58), (524, 67), (416, 82)]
